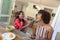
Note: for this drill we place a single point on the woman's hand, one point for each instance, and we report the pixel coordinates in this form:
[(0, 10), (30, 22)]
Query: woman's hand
[(33, 36)]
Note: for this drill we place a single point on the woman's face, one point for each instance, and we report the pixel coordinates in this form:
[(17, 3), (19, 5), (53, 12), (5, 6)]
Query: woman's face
[(21, 16), (38, 17)]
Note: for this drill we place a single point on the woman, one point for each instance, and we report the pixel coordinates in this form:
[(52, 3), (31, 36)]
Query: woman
[(20, 22), (42, 30)]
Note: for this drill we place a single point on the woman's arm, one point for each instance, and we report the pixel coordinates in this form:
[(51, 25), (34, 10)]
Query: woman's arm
[(50, 33), (34, 30), (28, 23)]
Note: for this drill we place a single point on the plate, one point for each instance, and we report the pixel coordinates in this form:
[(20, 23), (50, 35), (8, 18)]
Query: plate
[(7, 36)]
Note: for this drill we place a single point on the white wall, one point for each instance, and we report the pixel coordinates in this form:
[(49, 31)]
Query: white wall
[(44, 6), (56, 23), (29, 11)]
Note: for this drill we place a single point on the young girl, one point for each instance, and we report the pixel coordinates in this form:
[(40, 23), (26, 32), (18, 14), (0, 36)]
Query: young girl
[(42, 30), (20, 22)]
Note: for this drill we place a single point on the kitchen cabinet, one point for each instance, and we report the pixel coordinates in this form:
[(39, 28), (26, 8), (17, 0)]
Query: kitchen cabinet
[(5, 14)]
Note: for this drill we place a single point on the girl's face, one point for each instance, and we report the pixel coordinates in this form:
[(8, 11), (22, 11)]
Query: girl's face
[(21, 16), (38, 17)]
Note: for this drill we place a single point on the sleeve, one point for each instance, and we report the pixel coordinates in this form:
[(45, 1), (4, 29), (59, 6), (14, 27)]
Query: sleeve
[(17, 22), (16, 27)]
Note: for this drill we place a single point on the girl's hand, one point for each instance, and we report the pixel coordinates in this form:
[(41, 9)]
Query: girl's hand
[(31, 22)]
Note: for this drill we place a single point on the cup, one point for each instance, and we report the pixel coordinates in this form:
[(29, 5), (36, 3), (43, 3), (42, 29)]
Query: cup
[(1, 37)]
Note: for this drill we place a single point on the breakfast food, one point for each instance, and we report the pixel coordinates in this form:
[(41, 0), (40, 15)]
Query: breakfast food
[(10, 35), (9, 28), (1, 37)]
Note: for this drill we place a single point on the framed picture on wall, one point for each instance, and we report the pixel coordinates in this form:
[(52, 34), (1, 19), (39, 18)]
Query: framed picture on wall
[(48, 9), (53, 14)]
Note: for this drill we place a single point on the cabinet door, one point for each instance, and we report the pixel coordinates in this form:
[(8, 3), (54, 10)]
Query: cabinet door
[(5, 11), (6, 4), (4, 19)]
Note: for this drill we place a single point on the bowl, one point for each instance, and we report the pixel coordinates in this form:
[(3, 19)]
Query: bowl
[(10, 28)]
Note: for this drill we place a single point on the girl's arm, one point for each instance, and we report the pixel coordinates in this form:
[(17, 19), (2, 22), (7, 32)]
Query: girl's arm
[(17, 22)]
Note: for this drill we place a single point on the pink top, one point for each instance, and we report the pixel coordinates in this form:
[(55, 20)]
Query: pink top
[(18, 24), (41, 33)]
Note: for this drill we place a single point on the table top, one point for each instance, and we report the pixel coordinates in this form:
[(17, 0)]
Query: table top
[(19, 35)]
